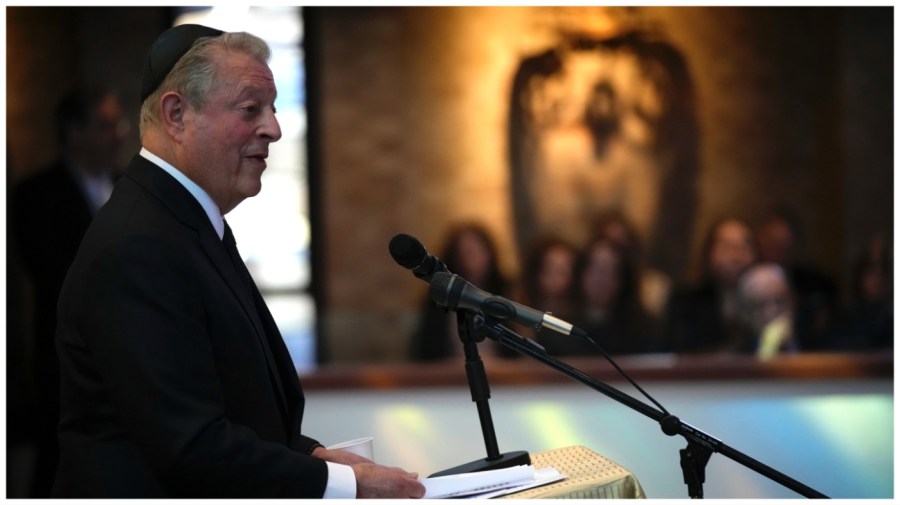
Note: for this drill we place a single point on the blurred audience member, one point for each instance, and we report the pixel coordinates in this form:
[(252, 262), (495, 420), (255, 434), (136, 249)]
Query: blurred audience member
[(19, 381), (869, 320), (50, 212), (548, 278), (609, 308), (653, 285), (703, 317), (766, 304), (470, 252), (779, 236)]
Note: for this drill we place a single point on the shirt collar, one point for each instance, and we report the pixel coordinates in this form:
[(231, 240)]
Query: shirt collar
[(202, 197)]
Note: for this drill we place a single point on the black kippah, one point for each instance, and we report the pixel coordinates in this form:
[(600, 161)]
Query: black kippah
[(168, 48)]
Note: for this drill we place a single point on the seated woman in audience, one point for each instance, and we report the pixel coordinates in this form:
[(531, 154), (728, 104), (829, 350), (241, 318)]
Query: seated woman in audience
[(609, 309), (868, 322), (653, 285), (548, 277), (703, 317), (469, 252)]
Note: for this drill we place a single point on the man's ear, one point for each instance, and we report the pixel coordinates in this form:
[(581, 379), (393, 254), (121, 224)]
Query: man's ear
[(172, 114)]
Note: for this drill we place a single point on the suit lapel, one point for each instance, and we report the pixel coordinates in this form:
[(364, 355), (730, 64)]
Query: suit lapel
[(187, 210), (252, 304)]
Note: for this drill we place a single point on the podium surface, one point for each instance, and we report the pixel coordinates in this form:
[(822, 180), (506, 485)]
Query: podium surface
[(588, 475)]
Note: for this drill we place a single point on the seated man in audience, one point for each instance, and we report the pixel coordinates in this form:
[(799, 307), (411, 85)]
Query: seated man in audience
[(766, 304), (703, 317)]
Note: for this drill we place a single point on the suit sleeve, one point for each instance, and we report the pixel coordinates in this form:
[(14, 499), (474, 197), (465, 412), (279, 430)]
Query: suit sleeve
[(145, 321)]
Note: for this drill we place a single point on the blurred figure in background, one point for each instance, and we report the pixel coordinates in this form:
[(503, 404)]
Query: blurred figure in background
[(780, 238), (19, 391), (469, 252), (868, 322), (766, 304), (703, 317), (50, 212), (653, 285), (609, 309), (548, 277)]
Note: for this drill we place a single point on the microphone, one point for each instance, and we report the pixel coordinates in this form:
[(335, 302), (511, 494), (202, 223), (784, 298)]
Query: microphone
[(452, 291), (410, 253)]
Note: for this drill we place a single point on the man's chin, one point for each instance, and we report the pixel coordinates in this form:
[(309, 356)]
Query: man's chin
[(253, 189)]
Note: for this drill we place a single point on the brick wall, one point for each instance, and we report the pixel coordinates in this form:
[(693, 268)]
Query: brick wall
[(415, 104)]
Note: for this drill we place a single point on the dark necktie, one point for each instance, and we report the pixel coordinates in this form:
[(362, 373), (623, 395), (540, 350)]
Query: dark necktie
[(246, 279), (252, 296)]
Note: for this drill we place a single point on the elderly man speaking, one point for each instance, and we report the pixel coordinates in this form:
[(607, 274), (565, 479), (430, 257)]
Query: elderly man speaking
[(175, 378)]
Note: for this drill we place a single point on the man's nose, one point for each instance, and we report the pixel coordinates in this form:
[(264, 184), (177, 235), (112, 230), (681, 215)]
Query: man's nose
[(270, 128)]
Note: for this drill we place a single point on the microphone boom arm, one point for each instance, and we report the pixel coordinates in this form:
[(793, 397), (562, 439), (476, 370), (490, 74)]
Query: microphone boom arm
[(700, 445), (454, 293)]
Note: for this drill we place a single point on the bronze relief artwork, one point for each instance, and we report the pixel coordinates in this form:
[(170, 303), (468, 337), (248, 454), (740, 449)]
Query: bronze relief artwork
[(606, 124)]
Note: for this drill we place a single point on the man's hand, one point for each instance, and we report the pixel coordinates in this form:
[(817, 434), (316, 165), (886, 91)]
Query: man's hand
[(373, 480), (377, 481)]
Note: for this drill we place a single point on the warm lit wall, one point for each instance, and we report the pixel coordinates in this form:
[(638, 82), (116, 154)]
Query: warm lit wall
[(792, 104), (414, 104), (414, 126)]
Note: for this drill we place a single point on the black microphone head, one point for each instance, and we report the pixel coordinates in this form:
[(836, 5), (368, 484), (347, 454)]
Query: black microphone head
[(407, 250)]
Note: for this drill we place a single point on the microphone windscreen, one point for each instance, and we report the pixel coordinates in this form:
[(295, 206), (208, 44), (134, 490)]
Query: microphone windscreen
[(439, 290), (407, 250)]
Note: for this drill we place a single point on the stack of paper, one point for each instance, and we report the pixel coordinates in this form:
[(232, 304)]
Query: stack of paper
[(489, 483)]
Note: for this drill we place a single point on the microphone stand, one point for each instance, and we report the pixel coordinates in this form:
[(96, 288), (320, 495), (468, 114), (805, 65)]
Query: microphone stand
[(700, 446), (481, 392)]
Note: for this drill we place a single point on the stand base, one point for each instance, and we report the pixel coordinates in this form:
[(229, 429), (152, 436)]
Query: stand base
[(506, 460)]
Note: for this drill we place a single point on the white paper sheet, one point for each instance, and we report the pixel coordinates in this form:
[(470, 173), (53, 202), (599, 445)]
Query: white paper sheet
[(488, 482)]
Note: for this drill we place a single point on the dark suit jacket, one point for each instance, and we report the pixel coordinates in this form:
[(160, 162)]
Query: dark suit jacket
[(48, 216), (171, 384)]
